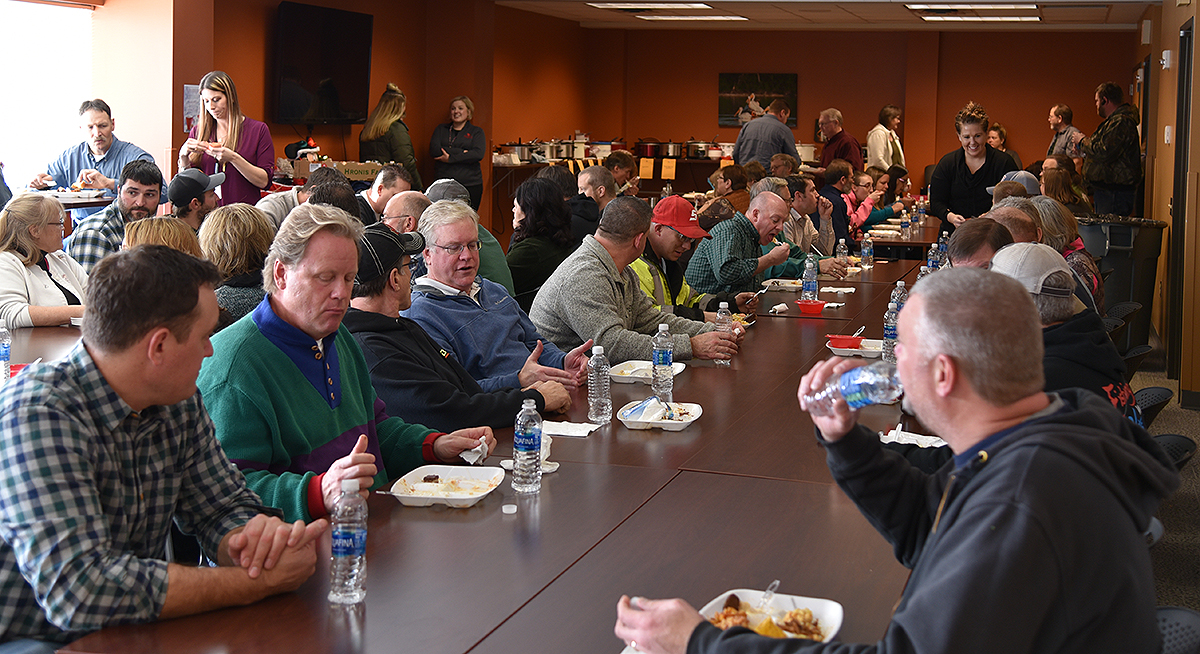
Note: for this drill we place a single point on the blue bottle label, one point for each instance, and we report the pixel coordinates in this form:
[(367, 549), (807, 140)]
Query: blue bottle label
[(5, 351), (867, 249), (528, 440), (889, 332), (809, 285), (348, 541), (662, 357), (854, 385)]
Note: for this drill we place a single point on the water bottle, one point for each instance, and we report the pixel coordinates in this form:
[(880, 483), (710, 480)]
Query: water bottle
[(899, 295), (667, 191), (905, 226), (527, 450), (889, 332), (599, 398), (867, 253), (842, 252), (923, 274), (921, 213), (724, 324), (944, 245), (348, 565), (808, 288), (5, 354), (663, 374), (873, 384), (934, 258)]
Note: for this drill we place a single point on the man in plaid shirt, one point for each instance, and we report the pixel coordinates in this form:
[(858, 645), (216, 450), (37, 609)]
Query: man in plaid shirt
[(101, 234), (104, 447)]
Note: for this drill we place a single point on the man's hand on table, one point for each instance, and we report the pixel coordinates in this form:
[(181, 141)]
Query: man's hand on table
[(259, 545), (714, 345), (358, 464), (533, 371), (448, 446), (576, 363), (656, 626), (747, 302), (832, 266), (833, 427), (556, 397), (296, 564)]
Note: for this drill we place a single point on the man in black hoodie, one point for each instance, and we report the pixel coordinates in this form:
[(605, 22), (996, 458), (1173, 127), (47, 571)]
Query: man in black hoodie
[(1032, 542), (415, 378)]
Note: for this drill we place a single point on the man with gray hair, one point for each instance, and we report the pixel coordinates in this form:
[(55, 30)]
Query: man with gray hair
[(295, 449), (1047, 492), (473, 318), (492, 264), (838, 142), (595, 295), (390, 180)]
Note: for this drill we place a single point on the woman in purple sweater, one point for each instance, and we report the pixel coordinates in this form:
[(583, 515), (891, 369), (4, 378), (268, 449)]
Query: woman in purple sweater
[(225, 140)]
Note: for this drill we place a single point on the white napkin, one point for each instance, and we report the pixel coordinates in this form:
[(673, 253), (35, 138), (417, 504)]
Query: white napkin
[(834, 305), (838, 289), (779, 308), (477, 454), (568, 429), (909, 438)]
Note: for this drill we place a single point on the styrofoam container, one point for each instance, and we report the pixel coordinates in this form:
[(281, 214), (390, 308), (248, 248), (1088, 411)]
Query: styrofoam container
[(478, 481), (828, 613), (638, 371), (693, 413), (869, 348)]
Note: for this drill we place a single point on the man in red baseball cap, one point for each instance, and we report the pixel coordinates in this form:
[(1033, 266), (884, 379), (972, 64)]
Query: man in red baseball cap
[(674, 230)]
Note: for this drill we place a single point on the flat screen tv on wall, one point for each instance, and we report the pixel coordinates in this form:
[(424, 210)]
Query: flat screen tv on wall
[(322, 65)]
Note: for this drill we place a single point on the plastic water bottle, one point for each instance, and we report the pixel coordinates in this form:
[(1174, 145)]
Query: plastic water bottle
[(662, 380), (527, 449), (667, 191), (867, 252), (899, 295), (923, 274), (5, 354), (873, 384), (905, 226), (921, 213), (889, 332), (724, 324), (599, 397), (944, 246), (808, 288), (842, 252), (348, 565), (933, 259)]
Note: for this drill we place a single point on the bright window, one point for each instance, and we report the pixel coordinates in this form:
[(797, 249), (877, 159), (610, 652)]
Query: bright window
[(46, 59)]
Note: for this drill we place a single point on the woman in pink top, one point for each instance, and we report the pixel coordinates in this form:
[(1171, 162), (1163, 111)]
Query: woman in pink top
[(860, 201), (225, 140)]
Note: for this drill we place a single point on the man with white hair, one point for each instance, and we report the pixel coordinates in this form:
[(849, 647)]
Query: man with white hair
[(839, 144), (288, 387), (492, 264), (1037, 523)]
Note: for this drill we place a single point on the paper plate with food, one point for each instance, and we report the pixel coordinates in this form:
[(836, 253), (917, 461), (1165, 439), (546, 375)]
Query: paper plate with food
[(76, 194), (867, 348), (638, 371), (783, 284), (653, 413), (743, 319), (784, 616), (456, 486)]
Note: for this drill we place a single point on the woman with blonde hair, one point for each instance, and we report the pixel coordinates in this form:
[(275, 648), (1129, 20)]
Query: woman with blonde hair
[(162, 230), (385, 136), (1060, 231), (225, 140), (39, 284), (457, 147), (1056, 183), (236, 239)]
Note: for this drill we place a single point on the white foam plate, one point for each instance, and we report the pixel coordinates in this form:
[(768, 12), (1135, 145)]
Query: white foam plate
[(85, 194), (784, 284), (77, 322), (638, 371), (459, 487), (868, 349), (828, 613), (693, 412)]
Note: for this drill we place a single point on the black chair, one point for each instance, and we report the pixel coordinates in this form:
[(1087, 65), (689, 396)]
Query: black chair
[(1151, 401), (1115, 328), (1124, 310), (1180, 629), (1180, 448), (1133, 360)]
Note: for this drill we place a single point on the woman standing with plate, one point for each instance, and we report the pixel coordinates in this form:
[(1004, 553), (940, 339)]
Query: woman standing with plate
[(225, 140)]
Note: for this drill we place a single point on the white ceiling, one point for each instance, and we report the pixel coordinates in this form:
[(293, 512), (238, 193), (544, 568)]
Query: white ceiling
[(844, 15)]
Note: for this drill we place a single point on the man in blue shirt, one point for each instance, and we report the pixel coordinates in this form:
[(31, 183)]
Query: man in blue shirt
[(763, 137), (95, 163)]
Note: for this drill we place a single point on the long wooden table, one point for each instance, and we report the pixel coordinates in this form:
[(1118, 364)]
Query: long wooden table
[(735, 500)]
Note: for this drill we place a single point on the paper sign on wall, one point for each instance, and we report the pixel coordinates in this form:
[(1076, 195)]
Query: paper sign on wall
[(646, 170), (668, 169)]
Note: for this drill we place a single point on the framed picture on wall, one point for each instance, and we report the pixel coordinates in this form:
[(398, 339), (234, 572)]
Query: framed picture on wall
[(742, 97)]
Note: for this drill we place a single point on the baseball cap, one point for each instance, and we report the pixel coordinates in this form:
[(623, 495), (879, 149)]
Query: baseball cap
[(673, 211), (382, 248), (1031, 264), (1023, 177), (192, 184), (447, 189)]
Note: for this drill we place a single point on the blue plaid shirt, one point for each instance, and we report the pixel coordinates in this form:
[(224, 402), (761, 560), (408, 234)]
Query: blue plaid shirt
[(88, 488), (96, 237)]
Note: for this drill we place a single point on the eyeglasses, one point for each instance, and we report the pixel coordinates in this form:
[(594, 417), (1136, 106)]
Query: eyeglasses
[(685, 239), (457, 249), (867, 185), (398, 217)]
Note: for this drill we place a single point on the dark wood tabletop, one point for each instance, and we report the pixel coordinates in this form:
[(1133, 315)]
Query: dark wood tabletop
[(738, 498), (49, 343)]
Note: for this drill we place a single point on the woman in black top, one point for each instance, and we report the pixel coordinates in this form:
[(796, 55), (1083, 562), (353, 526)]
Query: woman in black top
[(541, 237), (457, 147), (958, 188)]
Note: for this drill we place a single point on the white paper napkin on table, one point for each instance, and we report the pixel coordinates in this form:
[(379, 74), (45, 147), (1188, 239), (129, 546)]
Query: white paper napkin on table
[(568, 429), (779, 308), (909, 438), (838, 289), (834, 305)]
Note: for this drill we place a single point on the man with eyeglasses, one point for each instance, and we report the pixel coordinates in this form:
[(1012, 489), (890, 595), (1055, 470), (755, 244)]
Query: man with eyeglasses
[(674, 229), (402, 214), (474, 319), (288, 388), (417, 379)]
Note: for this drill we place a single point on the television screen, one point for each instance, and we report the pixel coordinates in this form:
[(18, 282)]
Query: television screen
[(322, 65)]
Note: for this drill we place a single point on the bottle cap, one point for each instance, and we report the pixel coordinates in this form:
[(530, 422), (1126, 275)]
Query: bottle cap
[(662, 327), (529, 404), (891, 305), (723, 305), (350, 486), (597, 349), (900, 283)]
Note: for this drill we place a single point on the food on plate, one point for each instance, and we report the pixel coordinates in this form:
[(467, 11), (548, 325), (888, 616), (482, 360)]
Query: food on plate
[(732, 602), (769, 629), (431, 479), (446, 487), (742, 319), (728, 617), (801, 622), (796, 623)]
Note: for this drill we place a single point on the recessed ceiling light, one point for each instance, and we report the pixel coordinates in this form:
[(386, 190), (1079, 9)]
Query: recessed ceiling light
[(693, 18), (983, 19), (979, 7), (649, 5)]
